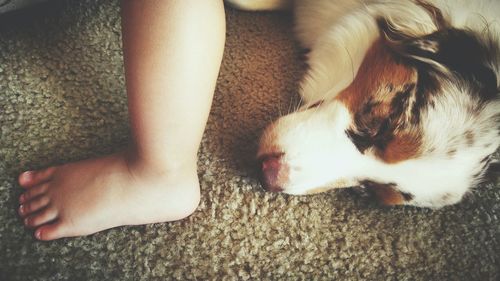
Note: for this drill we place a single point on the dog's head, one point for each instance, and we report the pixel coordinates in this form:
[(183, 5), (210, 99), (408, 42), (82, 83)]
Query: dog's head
[(420, 117)]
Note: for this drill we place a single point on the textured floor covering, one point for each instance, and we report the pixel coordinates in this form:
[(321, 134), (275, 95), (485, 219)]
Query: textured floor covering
[(62, 98)]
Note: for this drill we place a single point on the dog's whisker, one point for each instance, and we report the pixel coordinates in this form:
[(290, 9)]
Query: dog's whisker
[(290, 105), (279, 107)]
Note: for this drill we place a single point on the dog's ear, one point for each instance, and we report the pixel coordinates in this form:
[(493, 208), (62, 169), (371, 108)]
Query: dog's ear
[(422, 50), (450, 52)]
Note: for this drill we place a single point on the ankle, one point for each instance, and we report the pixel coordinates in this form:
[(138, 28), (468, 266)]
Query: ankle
[(160, 165), (178, 179)]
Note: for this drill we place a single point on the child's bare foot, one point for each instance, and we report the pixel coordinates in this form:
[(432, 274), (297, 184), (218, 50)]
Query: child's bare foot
[(85, 197)]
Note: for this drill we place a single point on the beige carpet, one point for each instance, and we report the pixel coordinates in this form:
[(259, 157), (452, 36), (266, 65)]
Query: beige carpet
[(62, 98)]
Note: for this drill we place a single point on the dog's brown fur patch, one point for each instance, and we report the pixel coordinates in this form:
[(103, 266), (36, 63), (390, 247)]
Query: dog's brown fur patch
[(387, 194), (378, 70), (401, 147), (379, 99)]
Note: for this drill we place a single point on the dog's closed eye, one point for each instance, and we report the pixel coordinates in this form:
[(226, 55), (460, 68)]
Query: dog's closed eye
[(316, 104)]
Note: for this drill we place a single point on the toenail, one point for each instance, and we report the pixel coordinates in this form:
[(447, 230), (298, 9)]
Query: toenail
[(21, 209), (28, 175), (26, 221), (38, 234)]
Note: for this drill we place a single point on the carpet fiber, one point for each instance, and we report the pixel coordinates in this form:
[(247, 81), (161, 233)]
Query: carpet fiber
[(62, 98)]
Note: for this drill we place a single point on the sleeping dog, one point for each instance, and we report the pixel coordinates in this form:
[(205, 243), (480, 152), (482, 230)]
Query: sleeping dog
[(400, 97)]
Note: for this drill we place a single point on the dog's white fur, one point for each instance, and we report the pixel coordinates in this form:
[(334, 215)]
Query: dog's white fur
[(316, 150)]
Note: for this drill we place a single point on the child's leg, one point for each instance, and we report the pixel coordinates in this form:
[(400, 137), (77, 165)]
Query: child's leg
[(172, 52)]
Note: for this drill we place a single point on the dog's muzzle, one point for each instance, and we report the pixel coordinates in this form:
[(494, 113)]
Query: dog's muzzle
[(274, 173)]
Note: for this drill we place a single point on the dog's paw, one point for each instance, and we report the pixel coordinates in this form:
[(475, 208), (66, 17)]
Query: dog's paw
[(259, 5)]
